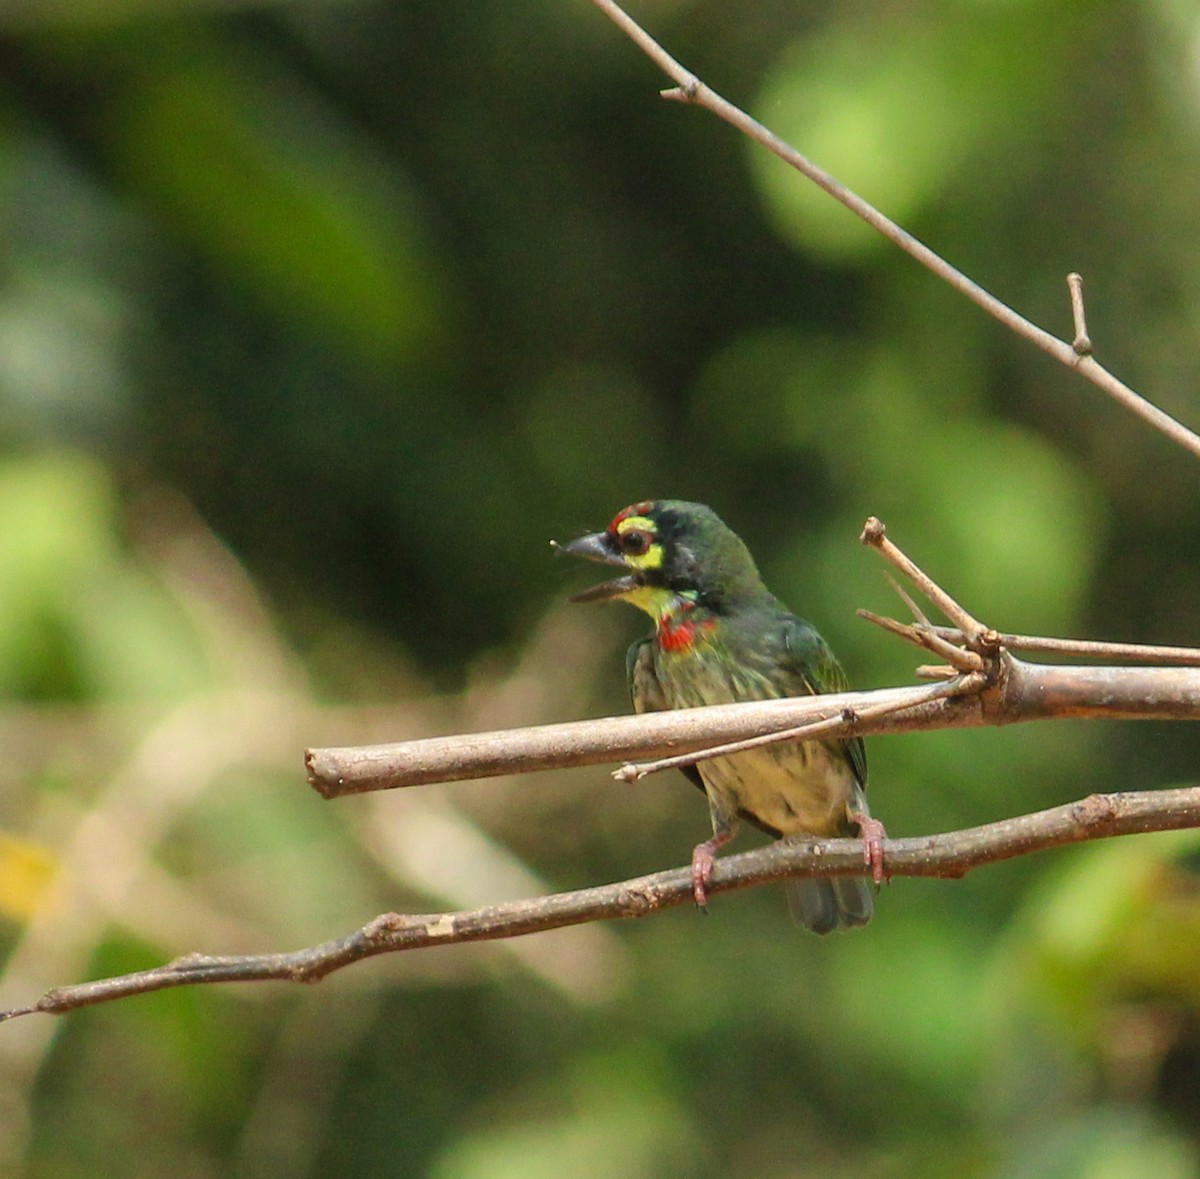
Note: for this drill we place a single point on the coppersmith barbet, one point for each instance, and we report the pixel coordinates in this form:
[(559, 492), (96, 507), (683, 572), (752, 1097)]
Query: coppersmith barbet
[(721, 636)]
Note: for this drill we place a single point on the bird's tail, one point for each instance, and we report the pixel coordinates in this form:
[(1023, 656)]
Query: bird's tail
[(824, 904)]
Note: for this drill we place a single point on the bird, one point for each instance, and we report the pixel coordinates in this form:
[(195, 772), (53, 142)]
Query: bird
[(720, 636)]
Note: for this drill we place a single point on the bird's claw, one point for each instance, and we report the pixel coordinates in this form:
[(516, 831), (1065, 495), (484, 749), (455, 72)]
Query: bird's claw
[(702, 864), (873, 835)]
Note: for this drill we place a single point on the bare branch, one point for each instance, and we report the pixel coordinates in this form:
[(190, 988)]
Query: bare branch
[(947, 639), (924, 635), (1024, 692), (950, 855), (691, 90), (934, 671), (336, 772)]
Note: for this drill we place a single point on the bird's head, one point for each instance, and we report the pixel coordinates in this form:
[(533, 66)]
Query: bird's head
[(669, 550)]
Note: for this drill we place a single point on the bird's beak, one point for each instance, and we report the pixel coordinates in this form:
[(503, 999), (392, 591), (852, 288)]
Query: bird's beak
[(598, 547)]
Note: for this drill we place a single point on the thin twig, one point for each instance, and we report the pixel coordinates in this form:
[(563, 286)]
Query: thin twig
[(903, 630), (926, 636), (874, 534), (907, 598), (948, 856), (1082, 648), (934, 671), (1164, 656), (845, 724), (691, 90)]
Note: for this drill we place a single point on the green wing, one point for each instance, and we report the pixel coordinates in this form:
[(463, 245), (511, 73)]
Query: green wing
[(817, 667)]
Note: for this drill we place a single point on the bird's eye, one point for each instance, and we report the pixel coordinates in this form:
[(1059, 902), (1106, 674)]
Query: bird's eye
[(634, 542)]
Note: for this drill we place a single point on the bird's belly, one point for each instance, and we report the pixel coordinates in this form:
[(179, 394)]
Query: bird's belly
[(794, 789)]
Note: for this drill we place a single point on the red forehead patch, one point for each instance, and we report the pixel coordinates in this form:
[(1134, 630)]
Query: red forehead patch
[(638, 509)]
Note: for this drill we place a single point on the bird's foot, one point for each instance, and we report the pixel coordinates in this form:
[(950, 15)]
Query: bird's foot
[(702, 866), (873, 835)]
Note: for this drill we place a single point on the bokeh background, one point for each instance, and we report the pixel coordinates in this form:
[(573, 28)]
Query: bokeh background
[(319, 320)]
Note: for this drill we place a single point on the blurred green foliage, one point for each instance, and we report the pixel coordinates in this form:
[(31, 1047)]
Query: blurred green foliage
[(319, 320)]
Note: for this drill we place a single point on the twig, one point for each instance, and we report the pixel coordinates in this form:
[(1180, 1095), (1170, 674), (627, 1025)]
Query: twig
[(846, 724), (934, 671), (1082, 648), (1082, 344), (690, 89), (907, 598), (1165, 656), (925, 635), (903, 630), (950, 855), (874, 534)]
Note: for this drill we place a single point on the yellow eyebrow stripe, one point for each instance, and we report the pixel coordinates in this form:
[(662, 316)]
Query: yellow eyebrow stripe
[(652, 558), (642, 522)]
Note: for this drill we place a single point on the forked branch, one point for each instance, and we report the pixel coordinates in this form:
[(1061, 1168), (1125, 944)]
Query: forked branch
[(983, 684), (1076, 355)]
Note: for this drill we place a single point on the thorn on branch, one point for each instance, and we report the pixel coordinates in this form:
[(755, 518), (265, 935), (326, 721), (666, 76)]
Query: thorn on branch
[(904, 596), (684, 92), (1082, 343)]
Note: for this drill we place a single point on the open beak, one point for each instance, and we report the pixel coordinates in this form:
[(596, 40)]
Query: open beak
[(598, 547)]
